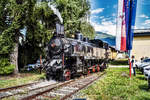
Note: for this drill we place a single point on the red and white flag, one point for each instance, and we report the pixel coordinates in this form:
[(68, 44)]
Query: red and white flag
[(121, 27)]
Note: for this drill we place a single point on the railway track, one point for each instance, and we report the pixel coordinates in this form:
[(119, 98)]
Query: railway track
[(63, 91), (25, 88), (15, 87), (48, 90)]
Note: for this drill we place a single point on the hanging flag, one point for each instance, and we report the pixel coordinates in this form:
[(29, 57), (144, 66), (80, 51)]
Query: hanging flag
[(127, 17), (121, 27), (131, 23), (123, 30), (125, 24), (130, 14), (119, 23)]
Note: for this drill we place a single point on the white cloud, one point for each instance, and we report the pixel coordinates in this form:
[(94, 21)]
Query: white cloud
[(147, 21), (135, 27), (106, 27), (101, 17), (93, 17), (96, 11), (143, 16), (144, 25), (104, 19)]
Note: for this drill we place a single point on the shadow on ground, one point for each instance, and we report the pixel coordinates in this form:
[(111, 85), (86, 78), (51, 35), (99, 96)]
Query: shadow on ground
[(140, 73), (144, 87), (141, 78), (144, 98)]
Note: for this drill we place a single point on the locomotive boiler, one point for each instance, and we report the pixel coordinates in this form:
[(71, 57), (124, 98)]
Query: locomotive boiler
[(67, 57)]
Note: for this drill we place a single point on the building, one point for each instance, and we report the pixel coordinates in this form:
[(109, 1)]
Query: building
[(141, 43), (110, 40)]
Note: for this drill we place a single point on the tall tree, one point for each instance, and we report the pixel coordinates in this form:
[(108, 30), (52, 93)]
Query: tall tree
[(74, 12), (18, 12), (12, 22)]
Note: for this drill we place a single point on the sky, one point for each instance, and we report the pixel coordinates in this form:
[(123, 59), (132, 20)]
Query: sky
[(104, 13)]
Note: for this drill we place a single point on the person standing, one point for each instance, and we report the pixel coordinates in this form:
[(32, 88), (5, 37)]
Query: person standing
[(142, 59), (133, 65)]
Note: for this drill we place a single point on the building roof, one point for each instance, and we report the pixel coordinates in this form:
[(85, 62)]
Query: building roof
[(142, 32)]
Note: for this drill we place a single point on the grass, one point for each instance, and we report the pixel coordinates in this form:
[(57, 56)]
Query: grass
[(22, 78), (119, 62), (117, 85)]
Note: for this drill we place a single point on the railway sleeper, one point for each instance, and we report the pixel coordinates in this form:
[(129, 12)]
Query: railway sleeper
[(57, 94), (10, 93), (65, 90), (5, 94), (70, 88)]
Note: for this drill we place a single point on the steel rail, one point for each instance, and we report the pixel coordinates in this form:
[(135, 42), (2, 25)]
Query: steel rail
[(76, 82), (29, 90), (42, 92), (69, 95), (15, 87)]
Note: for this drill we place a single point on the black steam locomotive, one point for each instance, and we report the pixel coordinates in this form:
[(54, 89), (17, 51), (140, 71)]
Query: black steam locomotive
[(67, 57)]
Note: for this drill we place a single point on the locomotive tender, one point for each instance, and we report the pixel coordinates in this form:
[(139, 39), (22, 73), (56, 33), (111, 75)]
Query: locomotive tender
[(67, 57)]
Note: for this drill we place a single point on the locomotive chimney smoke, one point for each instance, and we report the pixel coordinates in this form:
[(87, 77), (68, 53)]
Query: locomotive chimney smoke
[(56, 12)]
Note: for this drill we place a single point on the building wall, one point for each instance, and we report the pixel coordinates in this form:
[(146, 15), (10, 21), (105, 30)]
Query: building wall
[(141, 47), (113, 54)]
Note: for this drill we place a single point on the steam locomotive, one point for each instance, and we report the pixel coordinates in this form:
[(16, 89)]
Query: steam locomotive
[(67, 57)]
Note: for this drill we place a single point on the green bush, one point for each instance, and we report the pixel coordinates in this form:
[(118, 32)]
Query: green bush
[(5, 67), (119, 62)]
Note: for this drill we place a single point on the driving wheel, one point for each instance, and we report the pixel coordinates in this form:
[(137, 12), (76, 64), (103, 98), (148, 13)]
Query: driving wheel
[(67, 75)]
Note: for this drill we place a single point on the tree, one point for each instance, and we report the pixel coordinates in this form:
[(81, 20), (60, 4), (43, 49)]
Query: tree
[(12, 20), (87, 30), (74, 13), (41, 21), (38, 21)]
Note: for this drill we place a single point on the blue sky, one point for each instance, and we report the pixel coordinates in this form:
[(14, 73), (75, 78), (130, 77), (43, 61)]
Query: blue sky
[(104, 14)]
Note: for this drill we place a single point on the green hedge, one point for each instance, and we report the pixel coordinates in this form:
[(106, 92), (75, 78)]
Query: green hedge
[(5, 67), (119, 62)]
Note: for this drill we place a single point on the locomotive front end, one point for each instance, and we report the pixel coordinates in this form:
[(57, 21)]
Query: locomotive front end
[(55, 47), (54, 63)]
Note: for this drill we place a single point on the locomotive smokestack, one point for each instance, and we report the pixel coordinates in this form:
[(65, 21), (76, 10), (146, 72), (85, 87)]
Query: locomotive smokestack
[(59, 29)]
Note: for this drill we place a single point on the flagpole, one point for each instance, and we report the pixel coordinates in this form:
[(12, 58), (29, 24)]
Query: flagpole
[(129, 53)]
